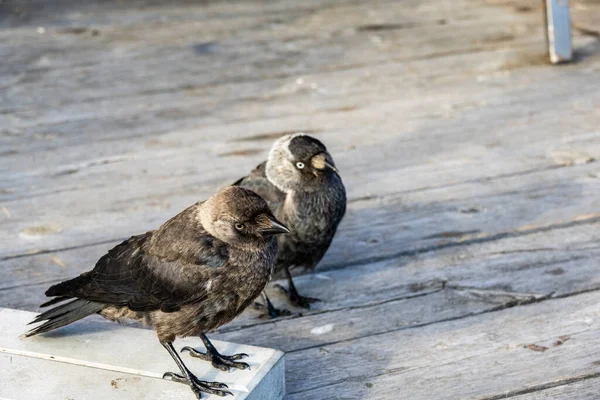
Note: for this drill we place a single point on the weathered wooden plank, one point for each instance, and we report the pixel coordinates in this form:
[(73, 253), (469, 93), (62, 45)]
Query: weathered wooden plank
[(431, 96), (584, 16), (232, 101), (418, 46), (110, 148), (159, 113), (279, 21), (35, 116), (586, 389), (293, 46), (143, 12), (507, 351), (85, 85), (427, 306), (420, 134)]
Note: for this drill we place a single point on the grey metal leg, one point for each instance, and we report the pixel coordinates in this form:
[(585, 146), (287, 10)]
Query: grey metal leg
[(558, 30)]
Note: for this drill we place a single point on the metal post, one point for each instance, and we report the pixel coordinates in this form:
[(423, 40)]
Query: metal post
[(558, 30)]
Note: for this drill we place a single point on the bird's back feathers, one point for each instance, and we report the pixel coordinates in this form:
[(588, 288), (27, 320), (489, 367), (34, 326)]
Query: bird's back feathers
[(257, 181)]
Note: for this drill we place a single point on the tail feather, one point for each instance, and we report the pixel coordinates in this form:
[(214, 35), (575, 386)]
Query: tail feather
[(64, 314), (59, 310), (55, 300)]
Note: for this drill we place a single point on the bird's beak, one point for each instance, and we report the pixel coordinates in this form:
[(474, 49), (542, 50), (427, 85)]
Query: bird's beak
[(275, 228), (331, 167), (322, 162)]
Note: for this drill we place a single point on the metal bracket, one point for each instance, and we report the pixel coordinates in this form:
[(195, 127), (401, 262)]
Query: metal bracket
[(558, 30)]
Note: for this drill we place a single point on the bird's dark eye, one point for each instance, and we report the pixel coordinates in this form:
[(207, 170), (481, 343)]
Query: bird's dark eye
[(239, 227), (300, 165)]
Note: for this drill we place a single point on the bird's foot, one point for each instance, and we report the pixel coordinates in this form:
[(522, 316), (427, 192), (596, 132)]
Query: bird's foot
[(296, 299), (271, 312), (219, 361), (197, 385)]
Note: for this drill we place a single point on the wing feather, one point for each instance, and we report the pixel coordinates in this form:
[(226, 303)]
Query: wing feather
[(144, 276)]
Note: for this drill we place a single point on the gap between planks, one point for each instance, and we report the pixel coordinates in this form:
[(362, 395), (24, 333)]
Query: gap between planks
[(550, 385)]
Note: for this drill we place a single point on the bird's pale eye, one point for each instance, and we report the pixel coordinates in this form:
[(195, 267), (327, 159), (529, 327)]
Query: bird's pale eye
[(239, 227), (300, 165)]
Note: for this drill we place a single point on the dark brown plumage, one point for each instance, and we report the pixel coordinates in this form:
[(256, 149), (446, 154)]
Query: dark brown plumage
[(303, 187), (196, 272)]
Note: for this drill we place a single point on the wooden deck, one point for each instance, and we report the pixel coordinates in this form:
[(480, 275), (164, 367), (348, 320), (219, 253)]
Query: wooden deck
[(468, 264)]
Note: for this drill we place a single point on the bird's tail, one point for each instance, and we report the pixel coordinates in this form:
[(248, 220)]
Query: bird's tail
[(64, 314)]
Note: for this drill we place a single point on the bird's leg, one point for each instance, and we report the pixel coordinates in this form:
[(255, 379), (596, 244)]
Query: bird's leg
[(218, 361), (190, 379), (293, 295), (272, 312)]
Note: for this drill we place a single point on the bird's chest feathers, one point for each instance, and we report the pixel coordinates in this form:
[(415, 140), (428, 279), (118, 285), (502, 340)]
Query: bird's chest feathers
[(238, 276), (309, 215), (252, 268), (229, 288)]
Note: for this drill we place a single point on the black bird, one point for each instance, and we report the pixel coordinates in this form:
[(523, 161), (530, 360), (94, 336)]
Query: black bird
[(300, 182), (199, 270)]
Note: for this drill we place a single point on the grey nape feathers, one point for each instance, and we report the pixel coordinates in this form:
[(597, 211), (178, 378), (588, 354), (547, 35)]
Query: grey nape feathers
[(196, 272), (301, 183)]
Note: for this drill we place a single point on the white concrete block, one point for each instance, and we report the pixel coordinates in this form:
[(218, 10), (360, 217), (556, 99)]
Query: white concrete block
[(97, 360)]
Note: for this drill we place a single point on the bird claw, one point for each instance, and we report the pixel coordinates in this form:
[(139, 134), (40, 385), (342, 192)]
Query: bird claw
[(197, 385), (272, 312), (275, 313), (234, 357), (172, 376), (219, 361), (296, 299), (303, 301)]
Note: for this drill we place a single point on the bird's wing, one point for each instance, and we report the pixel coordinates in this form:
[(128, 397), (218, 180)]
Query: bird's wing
[(258, 182), (135, 274)]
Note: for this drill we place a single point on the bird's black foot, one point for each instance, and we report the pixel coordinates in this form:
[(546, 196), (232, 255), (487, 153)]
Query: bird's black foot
[(296, 299), (197, 385), (271, 312), (219, 361)]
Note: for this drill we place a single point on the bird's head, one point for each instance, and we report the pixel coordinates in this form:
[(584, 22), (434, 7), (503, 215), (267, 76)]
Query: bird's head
[(299, 162), (240, 218)]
